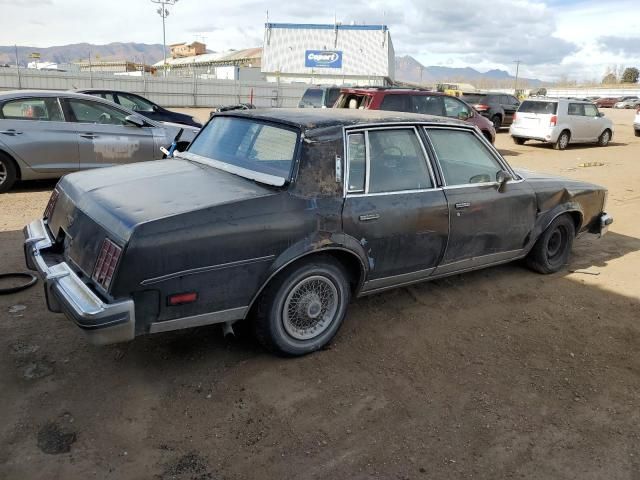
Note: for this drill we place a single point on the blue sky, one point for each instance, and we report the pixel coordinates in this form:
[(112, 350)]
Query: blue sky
[(554, 39)]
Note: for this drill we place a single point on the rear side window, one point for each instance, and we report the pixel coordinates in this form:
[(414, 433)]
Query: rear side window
[(44, 109), (473, 99), (539, 107), (396, 103), (429, 105), (576, 109)]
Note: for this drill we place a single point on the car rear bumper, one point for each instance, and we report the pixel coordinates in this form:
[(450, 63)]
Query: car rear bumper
[(544, 134), (65, 292), (605, 221)]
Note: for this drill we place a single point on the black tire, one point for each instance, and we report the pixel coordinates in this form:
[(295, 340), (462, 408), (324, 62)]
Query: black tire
[(8, 173), (552, 250), (637, 132), (563, 140), (497, 122), (302, 283), (604, 138), (519, 140)]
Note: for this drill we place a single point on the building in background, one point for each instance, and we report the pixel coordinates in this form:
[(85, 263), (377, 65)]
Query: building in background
[(115, 66), (232, 65), (328, 54), (179, 50)]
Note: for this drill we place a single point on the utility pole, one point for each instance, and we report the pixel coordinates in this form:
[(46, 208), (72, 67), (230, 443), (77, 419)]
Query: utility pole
[(515, 86), (18, 68), (164, 13)]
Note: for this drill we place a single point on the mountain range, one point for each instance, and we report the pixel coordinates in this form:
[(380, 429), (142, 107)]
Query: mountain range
[(407, 68)]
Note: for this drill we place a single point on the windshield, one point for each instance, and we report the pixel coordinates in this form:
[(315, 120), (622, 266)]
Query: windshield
[(538, 107), (311, 98), (473, 98), (248, 144)]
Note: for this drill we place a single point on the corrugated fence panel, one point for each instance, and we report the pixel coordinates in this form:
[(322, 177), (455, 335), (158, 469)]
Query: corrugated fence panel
[(169, 91)]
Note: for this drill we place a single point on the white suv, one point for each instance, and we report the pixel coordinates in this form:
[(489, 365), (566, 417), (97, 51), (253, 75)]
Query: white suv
[(560, 121), (636, 122)]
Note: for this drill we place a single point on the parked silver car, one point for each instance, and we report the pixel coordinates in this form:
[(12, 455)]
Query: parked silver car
[(46, 134), (560, 121)]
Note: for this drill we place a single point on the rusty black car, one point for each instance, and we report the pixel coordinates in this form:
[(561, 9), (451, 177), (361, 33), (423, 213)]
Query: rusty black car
[(282, 216)]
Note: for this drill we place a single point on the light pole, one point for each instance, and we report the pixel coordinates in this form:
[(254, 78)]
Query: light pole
[(164, 13)]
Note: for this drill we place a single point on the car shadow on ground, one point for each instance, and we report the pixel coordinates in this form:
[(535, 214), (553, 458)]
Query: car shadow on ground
[(35, 185), (508, 153), (573, 146)]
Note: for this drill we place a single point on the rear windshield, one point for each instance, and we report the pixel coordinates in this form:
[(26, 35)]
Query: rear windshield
[(539, 107), (248, 144), (473, 98), (311, 98)]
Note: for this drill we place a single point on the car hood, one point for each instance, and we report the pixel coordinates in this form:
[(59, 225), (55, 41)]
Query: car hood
[(121, 198)]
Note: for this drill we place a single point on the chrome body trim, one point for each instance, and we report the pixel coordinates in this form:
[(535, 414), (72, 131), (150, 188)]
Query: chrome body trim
[(210, 268), (234, 169), (199, 320)]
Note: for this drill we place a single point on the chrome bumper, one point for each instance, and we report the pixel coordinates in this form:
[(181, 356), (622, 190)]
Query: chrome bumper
[(66, 293), (605, 221)]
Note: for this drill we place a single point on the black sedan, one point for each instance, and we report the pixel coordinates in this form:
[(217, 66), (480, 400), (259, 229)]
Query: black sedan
[(282, 216), (143, 106)]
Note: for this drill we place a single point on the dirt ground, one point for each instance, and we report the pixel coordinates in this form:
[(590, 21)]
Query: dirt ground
[(500, 373)]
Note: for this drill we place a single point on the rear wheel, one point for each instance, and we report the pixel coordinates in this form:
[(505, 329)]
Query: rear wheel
[(563, 140), (497, 122), (604, 138), (8, 173), (637, 132), (551, 251), (303, 308), (519, 141)]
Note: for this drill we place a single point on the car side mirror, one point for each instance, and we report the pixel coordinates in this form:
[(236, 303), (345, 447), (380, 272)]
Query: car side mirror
[(502, 177), (464, 116), (155, 108), (134, 120)]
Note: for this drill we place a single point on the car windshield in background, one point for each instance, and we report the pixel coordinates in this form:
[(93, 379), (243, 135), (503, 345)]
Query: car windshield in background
[(473, 99), (249, 145), (312, 98), (538, 107)]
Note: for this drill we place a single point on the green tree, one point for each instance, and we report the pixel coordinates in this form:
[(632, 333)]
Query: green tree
[(630, 75), (609, 79)]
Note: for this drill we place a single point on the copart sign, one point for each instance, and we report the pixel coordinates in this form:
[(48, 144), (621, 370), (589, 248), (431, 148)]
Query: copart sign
[(323, 59)]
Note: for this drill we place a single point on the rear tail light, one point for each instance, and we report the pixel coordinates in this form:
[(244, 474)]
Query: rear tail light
[(515, 117), (106, 264), (554, 121), (52, 204), (481, 107)]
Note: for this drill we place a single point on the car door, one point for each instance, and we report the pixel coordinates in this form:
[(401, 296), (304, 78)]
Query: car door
[(577, 122), (35, 131), (487, 224), (105, 137), (392, 206), (593, 121), (510, 106)]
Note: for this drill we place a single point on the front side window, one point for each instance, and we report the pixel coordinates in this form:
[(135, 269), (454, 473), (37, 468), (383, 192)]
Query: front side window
[(311, 98), (86, 111), (396, 162), (134, 103), (456, 109), (44, 109), (248, 144), (331, 96), (590, 110), (463, 157)]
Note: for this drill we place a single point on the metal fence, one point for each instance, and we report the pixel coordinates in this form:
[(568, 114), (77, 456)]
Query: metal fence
[(166, 91)]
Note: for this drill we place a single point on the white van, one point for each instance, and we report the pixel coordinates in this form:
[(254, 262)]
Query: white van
[(560, 121)]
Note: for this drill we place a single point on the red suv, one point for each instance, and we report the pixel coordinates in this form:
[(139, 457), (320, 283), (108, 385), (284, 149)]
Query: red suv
[(416, 101)]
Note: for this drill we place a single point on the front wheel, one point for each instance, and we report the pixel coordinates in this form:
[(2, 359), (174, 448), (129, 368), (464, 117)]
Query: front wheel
[(551, 251), (497, 122), (604, 138), (637, 132), (303, 308), (8, 173), (519, 141)]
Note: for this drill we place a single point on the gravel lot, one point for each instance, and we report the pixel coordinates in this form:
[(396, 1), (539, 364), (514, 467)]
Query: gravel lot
[(494, 374)]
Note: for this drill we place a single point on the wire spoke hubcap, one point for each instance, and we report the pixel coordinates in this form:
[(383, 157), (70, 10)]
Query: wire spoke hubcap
[(310, 307)]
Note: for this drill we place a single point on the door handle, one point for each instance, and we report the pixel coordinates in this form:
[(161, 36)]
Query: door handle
[(11, 132), (369, 217), (88, 135), (462, 205)]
